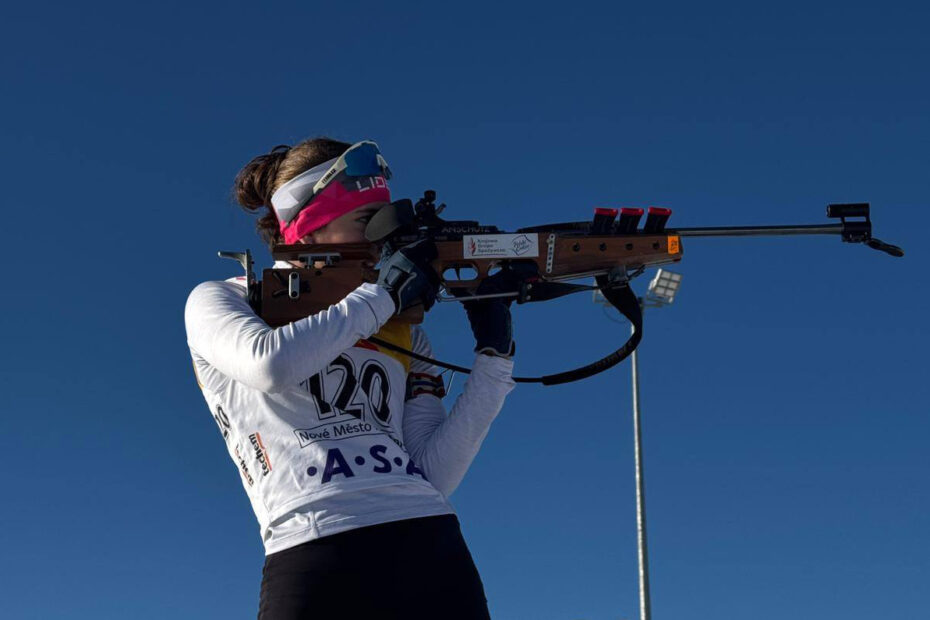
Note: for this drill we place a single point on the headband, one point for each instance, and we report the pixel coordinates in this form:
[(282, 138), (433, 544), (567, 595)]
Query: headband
[(329, 190)]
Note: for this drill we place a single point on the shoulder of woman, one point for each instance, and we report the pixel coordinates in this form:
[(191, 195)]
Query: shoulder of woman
[(215, 293)]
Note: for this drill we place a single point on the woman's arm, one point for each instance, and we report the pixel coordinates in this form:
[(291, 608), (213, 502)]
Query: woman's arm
[(444, 446), (224, 330)]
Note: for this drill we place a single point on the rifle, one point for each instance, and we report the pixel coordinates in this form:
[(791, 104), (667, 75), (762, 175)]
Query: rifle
[(541, 260)]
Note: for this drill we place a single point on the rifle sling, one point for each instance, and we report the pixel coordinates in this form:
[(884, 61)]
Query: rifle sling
[(621, 297)]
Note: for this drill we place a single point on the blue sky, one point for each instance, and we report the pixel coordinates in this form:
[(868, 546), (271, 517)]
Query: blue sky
[(784, 393)]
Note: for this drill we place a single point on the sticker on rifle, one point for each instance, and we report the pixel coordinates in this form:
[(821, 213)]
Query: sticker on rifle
[(501, 246), (674, 244)]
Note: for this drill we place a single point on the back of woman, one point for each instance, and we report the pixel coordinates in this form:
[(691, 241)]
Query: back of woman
[(345, 450)]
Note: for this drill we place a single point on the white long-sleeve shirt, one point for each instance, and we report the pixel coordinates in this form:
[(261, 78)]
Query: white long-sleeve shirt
[(330, 433)]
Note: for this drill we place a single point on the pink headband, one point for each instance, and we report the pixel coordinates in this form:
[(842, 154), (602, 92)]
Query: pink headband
[(338, 198)]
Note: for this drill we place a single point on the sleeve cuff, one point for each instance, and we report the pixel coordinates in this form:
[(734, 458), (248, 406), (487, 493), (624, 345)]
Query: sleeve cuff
[(493, 367), (378, 301)]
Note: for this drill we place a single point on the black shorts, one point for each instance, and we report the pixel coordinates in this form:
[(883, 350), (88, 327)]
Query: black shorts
[(417, 568)]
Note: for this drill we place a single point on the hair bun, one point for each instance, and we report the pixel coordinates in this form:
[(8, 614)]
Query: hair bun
[(254, 184)]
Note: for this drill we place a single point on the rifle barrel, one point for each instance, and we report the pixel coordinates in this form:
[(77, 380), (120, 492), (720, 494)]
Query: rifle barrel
[(758, 231)]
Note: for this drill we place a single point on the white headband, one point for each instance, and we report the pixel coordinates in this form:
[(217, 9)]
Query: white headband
[(288, 200)]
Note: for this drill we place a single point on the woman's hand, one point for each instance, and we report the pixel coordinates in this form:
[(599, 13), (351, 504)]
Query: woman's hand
[(408, 276), (492, 326), (490, 319)]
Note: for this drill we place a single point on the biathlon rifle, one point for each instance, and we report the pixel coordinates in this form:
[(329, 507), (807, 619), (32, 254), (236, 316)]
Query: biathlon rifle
[(541, 262)]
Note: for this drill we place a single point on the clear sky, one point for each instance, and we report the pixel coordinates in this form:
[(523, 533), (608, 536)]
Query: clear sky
[(784, 393)]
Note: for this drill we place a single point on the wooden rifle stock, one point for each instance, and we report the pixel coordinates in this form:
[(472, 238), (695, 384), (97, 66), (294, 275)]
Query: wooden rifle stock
[(332, 271)]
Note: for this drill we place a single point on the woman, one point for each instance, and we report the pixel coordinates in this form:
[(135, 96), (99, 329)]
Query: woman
[(346, 451)]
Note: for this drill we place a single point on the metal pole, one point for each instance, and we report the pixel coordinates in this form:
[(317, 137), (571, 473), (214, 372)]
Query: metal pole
[(645, 607)]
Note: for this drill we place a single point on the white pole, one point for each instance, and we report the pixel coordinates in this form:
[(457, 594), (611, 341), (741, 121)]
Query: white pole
[(645, 607)]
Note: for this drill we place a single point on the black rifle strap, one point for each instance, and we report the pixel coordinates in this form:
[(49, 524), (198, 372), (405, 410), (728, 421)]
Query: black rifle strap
[(621, 297)]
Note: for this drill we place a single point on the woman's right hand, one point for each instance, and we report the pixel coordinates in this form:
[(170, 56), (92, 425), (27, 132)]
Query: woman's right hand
[(408, 276)]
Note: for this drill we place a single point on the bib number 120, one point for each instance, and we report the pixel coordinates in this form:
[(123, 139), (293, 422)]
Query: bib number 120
[(355, 392)]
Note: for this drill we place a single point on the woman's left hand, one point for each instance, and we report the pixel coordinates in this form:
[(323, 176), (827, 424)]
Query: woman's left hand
[(490, 319)]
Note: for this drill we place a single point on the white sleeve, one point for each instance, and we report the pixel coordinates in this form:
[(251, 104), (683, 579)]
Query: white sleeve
[(444, 446), (224, 330)]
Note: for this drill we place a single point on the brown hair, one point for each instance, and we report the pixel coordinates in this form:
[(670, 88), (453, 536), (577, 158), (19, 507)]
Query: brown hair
[(259, 178)]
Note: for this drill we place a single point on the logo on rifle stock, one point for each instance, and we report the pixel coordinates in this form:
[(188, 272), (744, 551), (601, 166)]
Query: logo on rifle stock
[(501, 246), (522, 245)]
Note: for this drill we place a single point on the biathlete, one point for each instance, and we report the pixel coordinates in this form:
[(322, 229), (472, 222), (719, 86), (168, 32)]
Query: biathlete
[(345, 450)]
